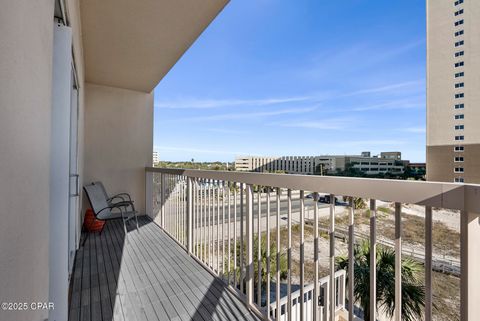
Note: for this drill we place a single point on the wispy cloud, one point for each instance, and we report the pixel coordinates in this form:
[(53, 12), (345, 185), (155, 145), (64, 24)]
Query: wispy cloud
[(395, 51), (395, 104), (249, 115), (226, 131), (219, 103), (327, 123), (195, 150), (358, 56), (311, 98), (373, 142), (386, 88), (416, 130)]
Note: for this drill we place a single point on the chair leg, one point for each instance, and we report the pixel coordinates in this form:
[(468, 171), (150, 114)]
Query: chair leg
[(125, 228), (136, 220), (133, 209), (85, 238), (103, 227)]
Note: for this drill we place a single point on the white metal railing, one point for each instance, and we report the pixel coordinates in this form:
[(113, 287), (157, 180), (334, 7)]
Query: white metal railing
[(224, 220), (309, 300)]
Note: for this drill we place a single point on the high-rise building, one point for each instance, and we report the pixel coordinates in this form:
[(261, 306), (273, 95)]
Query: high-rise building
[(453, 91)]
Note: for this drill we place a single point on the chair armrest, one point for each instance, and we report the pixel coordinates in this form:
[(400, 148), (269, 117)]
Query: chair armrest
[(123, 203), (122, 194), (115, 197), (110, 207)]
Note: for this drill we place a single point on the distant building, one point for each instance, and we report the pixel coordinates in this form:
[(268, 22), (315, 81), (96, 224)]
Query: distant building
[(417, 166), (308, 165), (156, 158), (417, 170)]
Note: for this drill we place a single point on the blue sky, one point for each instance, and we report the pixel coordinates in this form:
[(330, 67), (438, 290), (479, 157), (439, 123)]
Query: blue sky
[(277, 77)]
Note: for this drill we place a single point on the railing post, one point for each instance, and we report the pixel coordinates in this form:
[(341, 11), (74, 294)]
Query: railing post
[(316, 287), (398, 261), (249, 230), (373, 260), (470, 266), (242, 244), (351, 257), (162, 200), (428, 263), (331, 292), (149, 193), (189, 214)]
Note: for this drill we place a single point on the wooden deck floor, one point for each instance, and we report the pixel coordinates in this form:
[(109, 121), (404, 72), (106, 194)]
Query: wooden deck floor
[(149, 277)]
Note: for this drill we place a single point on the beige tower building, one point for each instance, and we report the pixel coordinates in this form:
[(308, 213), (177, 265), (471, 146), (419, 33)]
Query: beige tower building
[(453, 91)]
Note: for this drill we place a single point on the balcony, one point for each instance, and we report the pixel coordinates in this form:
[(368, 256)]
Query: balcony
[(196, 254), (146, 276), (218, 219)]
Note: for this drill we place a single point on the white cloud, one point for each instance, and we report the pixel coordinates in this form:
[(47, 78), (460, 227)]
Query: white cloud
[(372, 142), (360, 56), (161, 149), (248, 115), (313, 98), (226, 131), (418, 130), (219, 103), (386, 88), (327, 123), (395, 104)]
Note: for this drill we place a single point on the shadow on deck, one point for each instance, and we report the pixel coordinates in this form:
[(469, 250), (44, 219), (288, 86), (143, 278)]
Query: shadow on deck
[(149, 277)]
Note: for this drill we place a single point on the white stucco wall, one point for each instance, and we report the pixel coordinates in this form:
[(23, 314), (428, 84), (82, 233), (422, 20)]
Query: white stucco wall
[(118, 139), (25, 111)]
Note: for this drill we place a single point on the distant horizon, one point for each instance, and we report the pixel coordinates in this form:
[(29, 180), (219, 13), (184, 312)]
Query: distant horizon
[(250, 155), (305, 78)]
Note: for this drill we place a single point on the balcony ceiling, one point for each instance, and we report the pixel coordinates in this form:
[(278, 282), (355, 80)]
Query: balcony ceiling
[(132, 44)]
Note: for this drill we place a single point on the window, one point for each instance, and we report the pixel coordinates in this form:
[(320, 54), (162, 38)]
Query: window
[(459, 33), (461, 95), (458, 2), (459, 170), (459, 85), (459, 106), (459, 127), (459, 138), (459, 64), (459, 12), (459, 116), (459, 22), (459, 74), (458, 159), (459, 53), (459, 148), (459, 43), (459, 180)]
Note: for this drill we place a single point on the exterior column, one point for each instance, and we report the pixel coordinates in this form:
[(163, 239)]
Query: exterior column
[(470, 266)]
